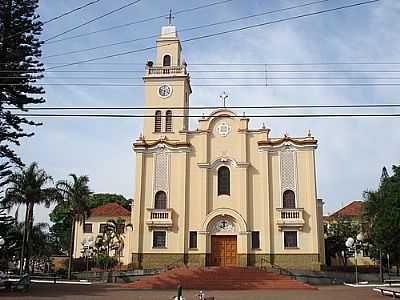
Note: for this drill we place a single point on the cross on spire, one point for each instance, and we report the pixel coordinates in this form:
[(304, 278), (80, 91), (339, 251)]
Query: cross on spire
[(170, 17)]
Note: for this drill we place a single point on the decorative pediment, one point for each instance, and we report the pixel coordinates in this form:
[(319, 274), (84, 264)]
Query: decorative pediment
[(223, 161), (287, 142), (154, 146)]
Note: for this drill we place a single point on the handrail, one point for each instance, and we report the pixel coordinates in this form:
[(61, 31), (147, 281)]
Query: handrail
[(282, 271)]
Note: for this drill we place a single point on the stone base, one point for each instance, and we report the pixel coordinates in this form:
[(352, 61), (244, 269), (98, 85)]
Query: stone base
[(165, 260)]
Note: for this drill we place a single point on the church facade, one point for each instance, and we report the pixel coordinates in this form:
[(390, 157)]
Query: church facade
[(222, 194)]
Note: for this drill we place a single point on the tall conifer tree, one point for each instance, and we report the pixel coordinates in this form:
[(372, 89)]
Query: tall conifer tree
[(20, 68)]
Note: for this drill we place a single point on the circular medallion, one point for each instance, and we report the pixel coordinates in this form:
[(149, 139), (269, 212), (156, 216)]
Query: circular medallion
[(223, 129), (164, 91)]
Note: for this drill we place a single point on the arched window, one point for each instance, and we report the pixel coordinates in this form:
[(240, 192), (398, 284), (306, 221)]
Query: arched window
[(167, 60), (160, 201), (224, 185), (168, 121), (289, 199), (157, 121)]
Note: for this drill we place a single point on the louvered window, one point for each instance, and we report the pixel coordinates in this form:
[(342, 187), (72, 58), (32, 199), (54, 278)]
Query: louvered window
[(168, 121), (157, 121)]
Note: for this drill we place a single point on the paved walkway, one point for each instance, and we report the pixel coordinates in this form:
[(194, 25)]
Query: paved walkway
[(97, 291)]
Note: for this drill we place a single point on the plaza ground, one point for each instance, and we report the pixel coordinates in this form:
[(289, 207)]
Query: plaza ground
[(115, 292)]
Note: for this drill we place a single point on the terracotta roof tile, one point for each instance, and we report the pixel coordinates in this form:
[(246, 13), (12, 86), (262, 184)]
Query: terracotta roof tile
[(109, 210), (351, 210)]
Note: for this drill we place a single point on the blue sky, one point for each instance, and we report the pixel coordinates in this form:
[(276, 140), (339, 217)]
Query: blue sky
[(351, 152)]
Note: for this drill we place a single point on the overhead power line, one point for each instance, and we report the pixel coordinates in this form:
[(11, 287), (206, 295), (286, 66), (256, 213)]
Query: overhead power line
[(94, 19), (141, 21), (184, 29), (55, 18), (220, 33), (200, 116), (388, 105), (213, 71), (228, 84)]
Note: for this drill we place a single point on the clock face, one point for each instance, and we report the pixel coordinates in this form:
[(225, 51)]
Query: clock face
[(164, 91)]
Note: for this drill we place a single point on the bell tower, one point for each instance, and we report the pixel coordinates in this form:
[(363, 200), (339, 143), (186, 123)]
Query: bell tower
[(166, 89)]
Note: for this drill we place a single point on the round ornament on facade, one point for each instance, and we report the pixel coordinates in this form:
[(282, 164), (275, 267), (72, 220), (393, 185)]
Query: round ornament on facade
[(164, 91), (223, 129)]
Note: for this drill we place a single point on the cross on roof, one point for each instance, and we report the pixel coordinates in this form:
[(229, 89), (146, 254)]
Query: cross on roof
[(170, 17), (223, 97)]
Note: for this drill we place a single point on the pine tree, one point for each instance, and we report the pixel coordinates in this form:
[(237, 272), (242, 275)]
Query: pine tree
[(20, 68)]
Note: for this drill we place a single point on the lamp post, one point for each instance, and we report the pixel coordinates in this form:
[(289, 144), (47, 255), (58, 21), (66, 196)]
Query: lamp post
[(87, 251), (355, 245), (2, 242)]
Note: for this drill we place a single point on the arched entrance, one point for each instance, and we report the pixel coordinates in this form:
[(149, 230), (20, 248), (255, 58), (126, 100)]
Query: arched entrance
[(223, 242)]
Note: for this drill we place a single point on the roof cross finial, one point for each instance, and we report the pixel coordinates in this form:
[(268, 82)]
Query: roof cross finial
[(170, 17), (223, 97)]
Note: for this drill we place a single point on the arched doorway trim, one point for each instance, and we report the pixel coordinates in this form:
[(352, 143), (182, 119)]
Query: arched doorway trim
[(225, 211)]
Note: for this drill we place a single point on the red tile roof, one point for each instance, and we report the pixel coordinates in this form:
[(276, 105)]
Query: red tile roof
[(353, 209), (109, 210)]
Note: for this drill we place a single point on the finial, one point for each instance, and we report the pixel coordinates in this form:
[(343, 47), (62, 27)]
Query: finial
[(203, 116), (309, 133), (141, 136), (286, 134), (244, 114), (170, 17), (223, 97), (263, 126)]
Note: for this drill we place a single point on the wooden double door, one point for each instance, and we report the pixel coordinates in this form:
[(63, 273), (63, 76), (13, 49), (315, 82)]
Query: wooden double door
[(223, 250)]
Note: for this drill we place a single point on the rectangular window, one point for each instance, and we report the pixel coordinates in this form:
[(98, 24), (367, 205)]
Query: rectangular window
[(103, 228), (255, 239), (87, 228), (193, 239), (290, 239), (159, 239), (120, 228)]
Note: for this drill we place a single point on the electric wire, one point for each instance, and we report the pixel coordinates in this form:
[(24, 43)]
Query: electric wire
[(93, 20), (201, 116), (54, 18), (220, 33), (307, 106), (182, 30), (141, 21)]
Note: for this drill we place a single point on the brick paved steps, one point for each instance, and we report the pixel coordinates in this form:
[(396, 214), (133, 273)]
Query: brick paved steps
[(218, 278)]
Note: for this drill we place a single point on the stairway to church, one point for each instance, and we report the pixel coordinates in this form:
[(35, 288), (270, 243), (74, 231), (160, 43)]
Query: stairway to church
[(218, 278)]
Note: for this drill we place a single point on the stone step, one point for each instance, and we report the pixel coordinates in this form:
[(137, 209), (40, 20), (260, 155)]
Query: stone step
[(217, 278)]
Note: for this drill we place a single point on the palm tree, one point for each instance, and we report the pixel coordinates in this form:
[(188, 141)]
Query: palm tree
[(118, 235), (29, 187), (76, 195)]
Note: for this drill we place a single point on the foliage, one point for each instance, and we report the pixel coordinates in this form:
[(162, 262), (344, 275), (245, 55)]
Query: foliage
[(111, 239), (106, 262), (337, 234), (12, 237), (75, 194), (19, 62), (29, 187), (382, 212), (62, 219), (100, 199)]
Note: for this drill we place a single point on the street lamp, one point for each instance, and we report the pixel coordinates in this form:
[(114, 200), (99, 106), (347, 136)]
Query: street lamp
[(355, 245), (2, 242), (87, 251)]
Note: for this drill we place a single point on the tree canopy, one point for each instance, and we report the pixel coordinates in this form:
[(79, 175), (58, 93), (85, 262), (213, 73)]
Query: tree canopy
[(382, 211), (20, 66)]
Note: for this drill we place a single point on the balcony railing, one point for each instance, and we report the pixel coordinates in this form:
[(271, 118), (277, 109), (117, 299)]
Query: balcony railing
[(159, 217), (290, 217), (171, 70)]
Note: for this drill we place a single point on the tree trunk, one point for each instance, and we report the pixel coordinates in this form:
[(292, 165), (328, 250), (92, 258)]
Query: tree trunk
[(28, 237), (23, 248), (71, 248)]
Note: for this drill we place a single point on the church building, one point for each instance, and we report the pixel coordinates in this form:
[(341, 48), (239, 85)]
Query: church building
[(221, 194)]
